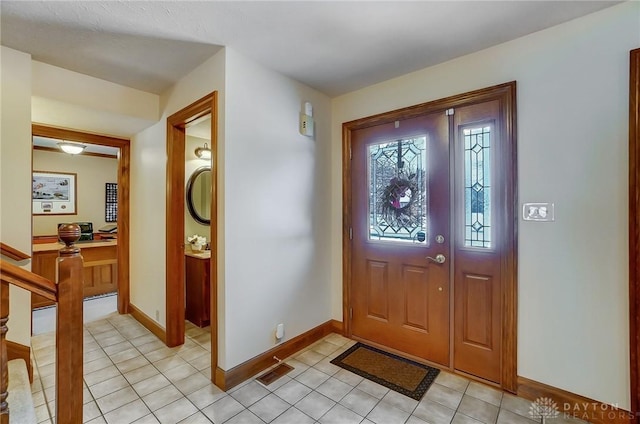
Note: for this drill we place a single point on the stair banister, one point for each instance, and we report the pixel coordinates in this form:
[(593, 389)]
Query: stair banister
[(69, 340), (68, 294)]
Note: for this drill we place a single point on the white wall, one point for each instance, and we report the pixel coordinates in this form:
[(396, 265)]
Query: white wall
[(572, 148), (92, 173), (273, 215), (148, 188), (69, 99), (277, 210), (15, 177)]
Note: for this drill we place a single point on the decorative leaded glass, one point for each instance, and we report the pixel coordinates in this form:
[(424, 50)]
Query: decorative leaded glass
[(397, 190), (477, 187)]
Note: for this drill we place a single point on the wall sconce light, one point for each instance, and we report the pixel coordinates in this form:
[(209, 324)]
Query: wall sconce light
[(71, 148), (204, 152)]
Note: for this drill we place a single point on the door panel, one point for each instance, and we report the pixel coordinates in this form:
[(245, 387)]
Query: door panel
[(476, 311), (416, 298), (400, 198), (378, 287), (479, 219)]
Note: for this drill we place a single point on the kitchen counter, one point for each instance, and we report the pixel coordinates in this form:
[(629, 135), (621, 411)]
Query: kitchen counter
[(49, 247)]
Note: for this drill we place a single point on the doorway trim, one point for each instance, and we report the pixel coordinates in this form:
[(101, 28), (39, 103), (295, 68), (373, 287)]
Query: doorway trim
[(506, 94), (634, 227), (124, 170), (175, 267)]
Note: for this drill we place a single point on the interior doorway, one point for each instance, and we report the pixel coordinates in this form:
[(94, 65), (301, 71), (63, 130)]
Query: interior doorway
[(429, 240), (104, 275), (177, 125)]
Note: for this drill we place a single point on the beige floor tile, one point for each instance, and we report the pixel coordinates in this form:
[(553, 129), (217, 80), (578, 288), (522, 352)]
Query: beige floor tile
[(206, 396), (128, 413), (340, 414), (452, 381), (360, 402), (192, 383), (433, 412), (109, 386), (176, 411), (485, 393), (293, 391), (334, 389), (116, 399), (151, 384), (269, 407), (315, 405), (384, 413), (223, 409), (478, 409), (444, 396), (250, 393), (293, 416), (161, 398), (142, 373)]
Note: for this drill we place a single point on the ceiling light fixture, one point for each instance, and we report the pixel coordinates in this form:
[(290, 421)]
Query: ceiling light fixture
[(71, 148), (204, 152)]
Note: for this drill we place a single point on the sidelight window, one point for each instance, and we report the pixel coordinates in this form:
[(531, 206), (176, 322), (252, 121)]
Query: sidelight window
[(477, 187)]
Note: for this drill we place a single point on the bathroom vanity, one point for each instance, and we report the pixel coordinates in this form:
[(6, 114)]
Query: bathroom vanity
[(197, 282)]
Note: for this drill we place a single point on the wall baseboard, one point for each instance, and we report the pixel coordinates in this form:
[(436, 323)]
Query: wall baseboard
[(20, 351), (148, 323), (573, 405), (337, 326), (236, 375)]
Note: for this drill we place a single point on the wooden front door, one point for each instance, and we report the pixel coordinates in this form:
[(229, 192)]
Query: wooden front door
[(430, 235), (400, 203)]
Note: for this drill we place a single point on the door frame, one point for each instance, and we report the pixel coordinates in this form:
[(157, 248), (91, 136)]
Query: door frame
[(124, 173), (175, 242), (506, 94), (634, 227)]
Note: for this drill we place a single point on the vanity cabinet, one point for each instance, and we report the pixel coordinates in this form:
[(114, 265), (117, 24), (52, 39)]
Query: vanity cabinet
[(197, 284)]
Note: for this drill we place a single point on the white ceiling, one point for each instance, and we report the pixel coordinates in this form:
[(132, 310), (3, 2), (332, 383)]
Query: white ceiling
[(335, 47)]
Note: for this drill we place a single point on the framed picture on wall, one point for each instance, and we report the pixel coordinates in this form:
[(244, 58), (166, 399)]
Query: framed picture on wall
[(54, 193)]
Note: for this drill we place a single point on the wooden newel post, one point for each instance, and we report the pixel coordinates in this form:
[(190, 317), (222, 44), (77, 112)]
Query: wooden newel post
[(4, 371), (69, 335)]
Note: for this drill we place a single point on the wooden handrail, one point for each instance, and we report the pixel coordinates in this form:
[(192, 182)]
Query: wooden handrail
[(27, 280), (12, 253), (68, 294)]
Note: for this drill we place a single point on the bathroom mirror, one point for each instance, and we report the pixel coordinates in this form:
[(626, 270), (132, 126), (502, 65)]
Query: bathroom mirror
[(199, 195)]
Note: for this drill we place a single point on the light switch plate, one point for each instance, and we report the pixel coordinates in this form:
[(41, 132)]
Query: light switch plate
[(538, 212)]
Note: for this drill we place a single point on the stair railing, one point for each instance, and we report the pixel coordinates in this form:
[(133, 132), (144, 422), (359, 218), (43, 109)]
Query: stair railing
[(68, 295)]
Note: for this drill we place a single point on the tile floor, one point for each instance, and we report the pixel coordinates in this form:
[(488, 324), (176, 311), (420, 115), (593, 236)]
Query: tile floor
[(132, 377)]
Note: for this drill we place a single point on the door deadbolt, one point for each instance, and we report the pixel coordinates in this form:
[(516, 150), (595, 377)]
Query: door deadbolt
[(439, 239)]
